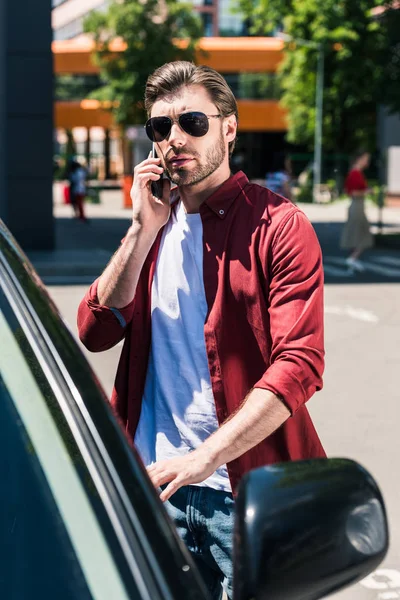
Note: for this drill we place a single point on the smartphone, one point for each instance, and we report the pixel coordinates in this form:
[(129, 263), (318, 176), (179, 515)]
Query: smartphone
[(156, 186)]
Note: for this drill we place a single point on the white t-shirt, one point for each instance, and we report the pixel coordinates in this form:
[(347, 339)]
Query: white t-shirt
[(178, 409), (78, 179)]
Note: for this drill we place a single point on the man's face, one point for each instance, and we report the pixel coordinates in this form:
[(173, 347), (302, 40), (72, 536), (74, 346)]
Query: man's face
[(187, 159)]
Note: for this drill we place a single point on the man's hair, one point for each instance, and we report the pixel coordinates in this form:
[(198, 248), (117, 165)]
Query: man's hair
[(169, 80)]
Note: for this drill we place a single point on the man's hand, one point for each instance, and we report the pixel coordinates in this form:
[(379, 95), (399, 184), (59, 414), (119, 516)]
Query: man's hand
[(194, 467), (149, 212)]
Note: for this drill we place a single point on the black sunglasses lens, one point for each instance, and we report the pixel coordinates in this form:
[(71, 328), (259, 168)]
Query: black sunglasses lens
[(194, 123), (157, 128)]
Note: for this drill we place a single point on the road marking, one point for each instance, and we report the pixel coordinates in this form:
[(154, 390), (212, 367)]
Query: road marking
[(360, 314), (381, 270), (385, 581), (376, 266), (390, 260), (335, 272)]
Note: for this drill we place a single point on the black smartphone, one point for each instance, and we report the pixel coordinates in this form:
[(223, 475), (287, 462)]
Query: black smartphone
[(156, 186)]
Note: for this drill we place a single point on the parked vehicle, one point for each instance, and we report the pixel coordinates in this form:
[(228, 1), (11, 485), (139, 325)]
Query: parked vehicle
[(80, 520)]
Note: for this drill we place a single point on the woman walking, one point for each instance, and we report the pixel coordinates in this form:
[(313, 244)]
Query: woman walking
[(356, 235)]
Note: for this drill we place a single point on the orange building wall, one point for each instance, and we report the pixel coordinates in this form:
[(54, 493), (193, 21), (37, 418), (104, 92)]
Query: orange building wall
[(254, 115), (70, 114), (227, 55)]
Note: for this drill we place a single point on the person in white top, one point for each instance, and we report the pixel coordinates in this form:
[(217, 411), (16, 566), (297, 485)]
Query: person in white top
[(277, 178), (77, 177)]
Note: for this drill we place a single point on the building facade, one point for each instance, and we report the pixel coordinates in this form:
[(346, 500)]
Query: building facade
[(217, 17), (248, 64)]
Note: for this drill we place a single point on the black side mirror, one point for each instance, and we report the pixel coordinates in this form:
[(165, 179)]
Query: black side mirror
[(306, 529)]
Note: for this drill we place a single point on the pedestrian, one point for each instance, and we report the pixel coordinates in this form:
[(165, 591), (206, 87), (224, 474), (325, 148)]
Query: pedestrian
[(356, 234), (278, 177), (218, 294), (77, 177), (69, 189)]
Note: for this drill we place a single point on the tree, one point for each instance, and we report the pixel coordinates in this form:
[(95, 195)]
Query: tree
[(390, 88), (354, 44), (155, 32)]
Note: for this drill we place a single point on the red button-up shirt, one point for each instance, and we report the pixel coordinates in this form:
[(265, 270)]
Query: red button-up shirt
[(263, 280)]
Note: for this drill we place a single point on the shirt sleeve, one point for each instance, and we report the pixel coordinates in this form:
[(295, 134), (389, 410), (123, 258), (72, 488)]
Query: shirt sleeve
[(296, 313), (101, 327)]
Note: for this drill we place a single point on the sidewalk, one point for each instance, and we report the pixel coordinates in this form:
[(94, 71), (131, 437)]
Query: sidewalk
[(83, 250)]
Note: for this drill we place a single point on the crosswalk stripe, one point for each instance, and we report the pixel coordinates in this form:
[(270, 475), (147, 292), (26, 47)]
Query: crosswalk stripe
[(368, 266), (360, 314), (381, 270), (390, 260), (335, 272)]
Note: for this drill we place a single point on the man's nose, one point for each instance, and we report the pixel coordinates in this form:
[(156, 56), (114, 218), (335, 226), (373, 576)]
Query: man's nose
[(177, 136)]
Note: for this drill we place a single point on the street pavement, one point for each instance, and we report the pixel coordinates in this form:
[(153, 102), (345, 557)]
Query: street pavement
[(356, 412), (83, 249)]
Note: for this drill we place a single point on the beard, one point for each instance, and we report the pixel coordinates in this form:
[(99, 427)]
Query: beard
[(213, 159)]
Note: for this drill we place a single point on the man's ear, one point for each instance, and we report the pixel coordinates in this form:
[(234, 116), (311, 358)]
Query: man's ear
[(230, 128)]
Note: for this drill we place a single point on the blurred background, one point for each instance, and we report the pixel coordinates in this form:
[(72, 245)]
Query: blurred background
[(315, 83), (304, 79)]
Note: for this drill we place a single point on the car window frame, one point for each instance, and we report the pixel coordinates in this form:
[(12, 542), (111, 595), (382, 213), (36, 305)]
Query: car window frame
[(103, 465)]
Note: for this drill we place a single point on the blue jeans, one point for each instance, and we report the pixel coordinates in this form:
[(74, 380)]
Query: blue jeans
[(204, 520)]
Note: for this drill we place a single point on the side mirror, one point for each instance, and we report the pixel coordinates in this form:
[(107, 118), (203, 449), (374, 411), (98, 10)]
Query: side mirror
[(306, 529)]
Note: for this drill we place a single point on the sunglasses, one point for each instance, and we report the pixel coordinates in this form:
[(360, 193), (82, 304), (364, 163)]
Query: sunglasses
[(194, 123)]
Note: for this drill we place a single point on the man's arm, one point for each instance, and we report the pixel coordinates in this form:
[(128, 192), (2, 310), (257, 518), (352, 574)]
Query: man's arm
[(107, 308), (260, 415), (295, 306), (117, 285)]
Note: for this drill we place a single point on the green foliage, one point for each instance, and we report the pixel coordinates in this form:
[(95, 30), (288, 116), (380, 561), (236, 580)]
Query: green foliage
[(74, 87), (390, 89), (149, 28), (354, 45)]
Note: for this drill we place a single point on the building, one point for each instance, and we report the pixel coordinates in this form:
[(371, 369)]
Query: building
[(217, 16), (389, 123), (249, 66)]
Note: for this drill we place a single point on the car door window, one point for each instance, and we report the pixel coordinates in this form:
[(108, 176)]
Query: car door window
[(51, 545)]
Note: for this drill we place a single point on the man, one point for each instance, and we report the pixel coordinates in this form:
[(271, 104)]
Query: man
[(218, 292)]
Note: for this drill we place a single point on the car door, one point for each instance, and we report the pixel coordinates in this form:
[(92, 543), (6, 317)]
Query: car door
[(79, 518)]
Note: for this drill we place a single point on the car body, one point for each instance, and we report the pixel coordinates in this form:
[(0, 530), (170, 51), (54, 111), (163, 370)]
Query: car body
[(79, 518)]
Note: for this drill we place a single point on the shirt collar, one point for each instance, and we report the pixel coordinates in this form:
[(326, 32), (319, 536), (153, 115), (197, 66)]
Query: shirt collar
[(223, 198)]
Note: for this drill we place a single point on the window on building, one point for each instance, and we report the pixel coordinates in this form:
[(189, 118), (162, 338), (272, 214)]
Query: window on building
[(230, 21), (75, 87), (55, 3), (75, 27), (70, 30), (254, 86), (207, 19)]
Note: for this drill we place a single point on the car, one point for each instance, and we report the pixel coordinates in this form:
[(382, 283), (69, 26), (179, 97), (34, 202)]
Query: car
[(80, 519)]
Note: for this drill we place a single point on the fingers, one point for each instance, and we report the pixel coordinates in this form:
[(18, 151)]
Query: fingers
[(159, 474), (149, 160), (148, 168), (170, 490), (166, 190), (147, 171), (158, 479)]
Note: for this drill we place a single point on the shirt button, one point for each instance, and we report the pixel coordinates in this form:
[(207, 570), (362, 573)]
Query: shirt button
[(221, 212)]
